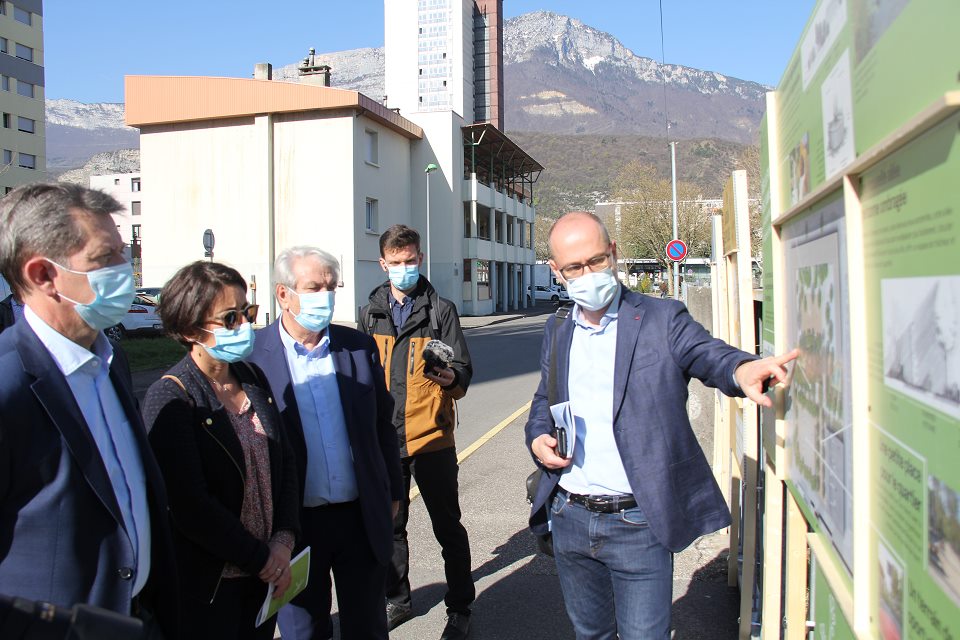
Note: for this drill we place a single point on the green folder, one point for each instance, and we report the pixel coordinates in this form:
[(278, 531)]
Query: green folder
[(300, 573)]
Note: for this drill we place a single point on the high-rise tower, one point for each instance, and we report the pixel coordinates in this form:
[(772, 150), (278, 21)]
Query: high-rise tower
[(445, 55)]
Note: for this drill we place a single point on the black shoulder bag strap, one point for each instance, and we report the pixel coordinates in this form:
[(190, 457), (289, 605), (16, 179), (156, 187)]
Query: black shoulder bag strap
[(545, 541)]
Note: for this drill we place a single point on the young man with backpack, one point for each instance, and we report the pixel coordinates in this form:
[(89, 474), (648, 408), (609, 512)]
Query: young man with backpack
[(404, 315)]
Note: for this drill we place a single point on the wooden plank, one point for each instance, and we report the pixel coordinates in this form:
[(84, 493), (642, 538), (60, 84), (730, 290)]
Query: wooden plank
[(773, 536), (796, 573)]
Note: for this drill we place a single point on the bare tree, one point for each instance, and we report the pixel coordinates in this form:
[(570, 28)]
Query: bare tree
[(646, 217)]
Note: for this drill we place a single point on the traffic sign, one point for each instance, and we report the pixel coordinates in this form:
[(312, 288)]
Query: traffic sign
[(676, 250)]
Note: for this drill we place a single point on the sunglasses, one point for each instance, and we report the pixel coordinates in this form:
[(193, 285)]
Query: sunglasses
[(231, 319)]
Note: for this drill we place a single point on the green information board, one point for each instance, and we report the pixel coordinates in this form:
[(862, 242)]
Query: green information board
[(829, 621), (911, 211), (818, 433), (863, 68)]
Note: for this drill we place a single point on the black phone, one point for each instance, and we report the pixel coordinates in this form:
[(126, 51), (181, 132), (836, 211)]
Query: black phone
[(560, 435)]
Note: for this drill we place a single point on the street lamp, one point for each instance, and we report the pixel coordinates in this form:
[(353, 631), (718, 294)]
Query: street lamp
[(428, 170)]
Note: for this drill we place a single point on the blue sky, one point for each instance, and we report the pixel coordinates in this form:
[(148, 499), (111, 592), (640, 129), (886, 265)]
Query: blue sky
[(90, 46)]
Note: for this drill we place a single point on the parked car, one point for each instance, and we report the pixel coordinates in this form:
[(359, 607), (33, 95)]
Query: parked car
[(153, 292), (552, 293), (141, 318)]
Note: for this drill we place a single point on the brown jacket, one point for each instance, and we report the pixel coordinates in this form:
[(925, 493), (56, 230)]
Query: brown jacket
[(424, 414)]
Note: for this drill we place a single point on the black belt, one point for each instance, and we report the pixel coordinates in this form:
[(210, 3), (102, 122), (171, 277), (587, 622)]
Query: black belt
[(601, 504)]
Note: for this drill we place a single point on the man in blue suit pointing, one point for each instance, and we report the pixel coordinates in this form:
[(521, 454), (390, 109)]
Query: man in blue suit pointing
[(637, 488)]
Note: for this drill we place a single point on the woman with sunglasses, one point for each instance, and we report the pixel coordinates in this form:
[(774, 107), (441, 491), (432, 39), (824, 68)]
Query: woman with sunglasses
[(229, 470)]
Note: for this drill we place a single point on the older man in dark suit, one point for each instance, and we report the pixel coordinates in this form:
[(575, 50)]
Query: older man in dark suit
[(637, 488), (82, 504), (331, 391)]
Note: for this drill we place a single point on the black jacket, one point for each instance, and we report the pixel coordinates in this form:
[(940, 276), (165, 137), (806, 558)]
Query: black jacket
[(424, 413), (203, 467)]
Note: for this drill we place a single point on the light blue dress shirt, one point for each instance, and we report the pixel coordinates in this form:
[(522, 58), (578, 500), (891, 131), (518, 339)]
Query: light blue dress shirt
[(330, 474), (88, 374), (597, 468)]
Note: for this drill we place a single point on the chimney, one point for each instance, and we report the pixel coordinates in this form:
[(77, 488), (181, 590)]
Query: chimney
[(313, 73), (263, 71)]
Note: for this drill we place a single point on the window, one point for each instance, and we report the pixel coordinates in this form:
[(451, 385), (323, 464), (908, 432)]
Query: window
[(23, 88), (6, 83), (24, 52), (134, 184), (467, 263), (530, 235), (371, 215), (372, 150), (134, 208), (3, 43), (22, 15), (27, 160), (483, 279), (483, 223), (6, 121), (26, 125), (116, 181), (7, 156), (467, 221), (510, 226), (498, 225)]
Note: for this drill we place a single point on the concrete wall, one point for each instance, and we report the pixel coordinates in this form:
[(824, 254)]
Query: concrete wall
[(442, 145), (217, 175), (390, 182), (205, 175)]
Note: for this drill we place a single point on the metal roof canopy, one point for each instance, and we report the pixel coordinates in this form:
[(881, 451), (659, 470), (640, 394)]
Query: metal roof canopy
[(496, 158)]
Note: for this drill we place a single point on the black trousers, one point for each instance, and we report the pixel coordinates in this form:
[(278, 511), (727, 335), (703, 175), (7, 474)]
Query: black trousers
[(436, 475), (338, 541), (231, 615)]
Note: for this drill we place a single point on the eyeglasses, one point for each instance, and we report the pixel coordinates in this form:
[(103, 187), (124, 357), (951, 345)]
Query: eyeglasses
[(231, 319), (596, 263)]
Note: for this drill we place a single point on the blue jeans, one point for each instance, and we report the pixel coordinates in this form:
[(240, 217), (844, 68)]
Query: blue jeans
[(617, 580)]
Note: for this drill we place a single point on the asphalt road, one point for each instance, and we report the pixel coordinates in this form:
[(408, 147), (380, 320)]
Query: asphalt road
[(518, 594)]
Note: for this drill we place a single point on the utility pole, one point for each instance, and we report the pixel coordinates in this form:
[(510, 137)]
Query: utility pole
[(676, 266)]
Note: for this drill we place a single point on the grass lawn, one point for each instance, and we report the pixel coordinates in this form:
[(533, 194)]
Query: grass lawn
[(152, 353)]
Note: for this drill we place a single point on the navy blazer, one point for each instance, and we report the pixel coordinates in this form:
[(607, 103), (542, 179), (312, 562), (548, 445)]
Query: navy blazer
[(659, 348), (367, 411), (62, 537)]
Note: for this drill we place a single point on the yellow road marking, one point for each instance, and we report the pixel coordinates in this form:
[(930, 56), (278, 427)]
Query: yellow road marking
[(482, 440)]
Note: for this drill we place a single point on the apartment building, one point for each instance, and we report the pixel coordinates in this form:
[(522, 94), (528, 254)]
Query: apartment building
[(22, 104), (126, 188), (266, 164)]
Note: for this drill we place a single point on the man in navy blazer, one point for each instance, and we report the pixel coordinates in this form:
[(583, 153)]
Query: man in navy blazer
[(331, 391), (83, 512), (636, 487)]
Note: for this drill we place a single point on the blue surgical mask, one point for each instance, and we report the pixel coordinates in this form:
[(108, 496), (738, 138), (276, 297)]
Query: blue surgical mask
[(405, 276), (113, 291), (231, 345), (594, 290), (316, 309)]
